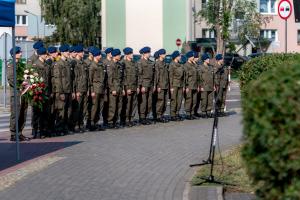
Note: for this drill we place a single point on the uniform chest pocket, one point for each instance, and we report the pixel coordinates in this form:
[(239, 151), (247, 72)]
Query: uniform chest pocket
[(55, 72)]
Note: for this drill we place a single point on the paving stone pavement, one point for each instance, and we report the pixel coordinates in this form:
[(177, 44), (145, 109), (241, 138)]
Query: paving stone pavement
[(141, 163)]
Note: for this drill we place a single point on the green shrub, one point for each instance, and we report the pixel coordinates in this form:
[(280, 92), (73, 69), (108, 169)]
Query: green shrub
[(271, 118), (252, 69)]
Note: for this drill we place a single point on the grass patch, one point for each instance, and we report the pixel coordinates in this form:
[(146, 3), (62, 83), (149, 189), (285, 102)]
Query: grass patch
[(232, 171), (234, 74)]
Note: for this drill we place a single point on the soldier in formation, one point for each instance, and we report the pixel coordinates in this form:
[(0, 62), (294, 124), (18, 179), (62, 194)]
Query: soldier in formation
[(81, 90)]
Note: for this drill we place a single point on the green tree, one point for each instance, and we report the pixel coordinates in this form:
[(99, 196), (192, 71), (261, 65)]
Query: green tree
[(221, 14), (76, 21)]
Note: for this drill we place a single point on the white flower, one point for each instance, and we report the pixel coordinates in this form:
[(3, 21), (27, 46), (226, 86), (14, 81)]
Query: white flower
[(41, 79), (34, 85), (31, 70), (31, 80), (26, 71), (25, 76), (31, 76), (35, 74)]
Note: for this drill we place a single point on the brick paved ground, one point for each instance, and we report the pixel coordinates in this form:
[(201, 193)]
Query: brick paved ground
[(141, 163)]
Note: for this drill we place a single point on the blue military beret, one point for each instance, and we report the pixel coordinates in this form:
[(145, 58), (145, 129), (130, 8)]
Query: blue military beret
[(52, 49), (196, 54), (128, 51), (17, 49), (145, 50), (204, 57), (78, 48), (71, 49), (109, 50), (175, 54), (116, 52), (95, 52), (156, 55), (190, 54), (161, 52), (38, 45), (41, 51), (219, 57), (64, 48), (90, 49)]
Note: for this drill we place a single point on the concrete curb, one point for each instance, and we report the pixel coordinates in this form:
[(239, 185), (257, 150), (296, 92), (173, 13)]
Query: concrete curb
[(206, 193)]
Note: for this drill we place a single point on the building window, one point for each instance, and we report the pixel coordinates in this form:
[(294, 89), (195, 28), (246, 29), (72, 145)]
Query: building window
[(269, 34), (21, 20), (21, 38), (298, 37), (268, 6), (21, 1), (208, 33)]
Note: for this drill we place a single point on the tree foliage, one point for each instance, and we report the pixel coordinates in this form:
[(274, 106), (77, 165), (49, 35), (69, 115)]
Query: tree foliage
[(76, 21), (222, 14), (271, 118)]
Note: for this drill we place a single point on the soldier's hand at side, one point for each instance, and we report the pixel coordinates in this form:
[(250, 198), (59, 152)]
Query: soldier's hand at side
[(78, 94), (154, 89), (187, 90), (114, 93), (73, 95), (93, 94), (138, 90), (124, 93), (172, 90), (158, 90), (202, 89), (143, 90), (198, 89), (129, 92), (62, 97)]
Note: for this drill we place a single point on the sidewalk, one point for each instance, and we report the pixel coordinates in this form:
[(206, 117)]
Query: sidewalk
[(147, 162)]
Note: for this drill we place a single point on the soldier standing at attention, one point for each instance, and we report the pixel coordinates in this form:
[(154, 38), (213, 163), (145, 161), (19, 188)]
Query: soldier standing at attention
[(207, 86), (176, 75), (81, 87), (107, 62), (41, 116), (162, 85), (62, 89), (22, 103), (130, 85), (192, 85), (97, 76), (35, 56), (198, 67), (73, 104), (114, 88), (146, 84), (222, 82), (88, 61)]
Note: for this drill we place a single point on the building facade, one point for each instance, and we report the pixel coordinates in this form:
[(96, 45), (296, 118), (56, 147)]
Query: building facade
[(274, 30), (138, 23)]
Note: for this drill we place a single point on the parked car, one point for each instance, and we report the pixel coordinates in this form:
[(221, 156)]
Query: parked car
[(255, 55), (235, 60)]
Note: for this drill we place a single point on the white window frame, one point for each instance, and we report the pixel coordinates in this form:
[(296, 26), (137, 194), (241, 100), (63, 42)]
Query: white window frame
[(22, 20), (209, 33), (269, 8), (267, 34)]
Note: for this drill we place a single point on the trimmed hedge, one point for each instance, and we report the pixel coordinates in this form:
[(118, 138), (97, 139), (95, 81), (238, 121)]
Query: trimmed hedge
[(271, 118), (252, 69)]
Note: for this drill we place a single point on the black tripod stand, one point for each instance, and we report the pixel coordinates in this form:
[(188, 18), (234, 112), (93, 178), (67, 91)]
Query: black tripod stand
[(213, 144)]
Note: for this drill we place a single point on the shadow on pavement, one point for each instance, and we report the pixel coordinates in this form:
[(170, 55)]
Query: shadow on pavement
[(28, 151)]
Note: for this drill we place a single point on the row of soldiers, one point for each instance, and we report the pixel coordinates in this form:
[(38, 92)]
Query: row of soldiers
[(81, 88)]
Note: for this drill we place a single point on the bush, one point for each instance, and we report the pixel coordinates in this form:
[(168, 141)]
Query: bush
[(252, 69), (271, 111)]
